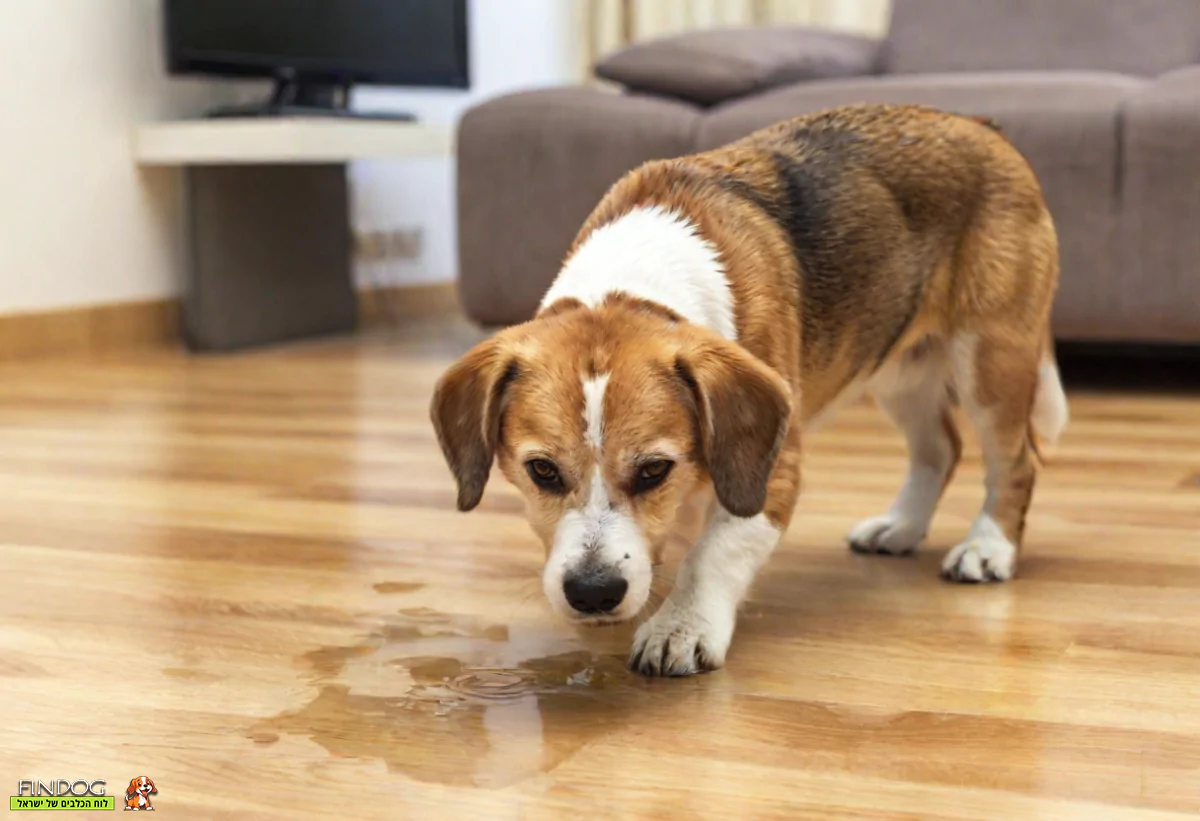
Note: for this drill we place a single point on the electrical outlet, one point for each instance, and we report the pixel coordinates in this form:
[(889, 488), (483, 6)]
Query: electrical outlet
[(391, 244), (404, 243), (366, 246)]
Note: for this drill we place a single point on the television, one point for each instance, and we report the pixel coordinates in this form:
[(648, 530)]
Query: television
[(316, 50)]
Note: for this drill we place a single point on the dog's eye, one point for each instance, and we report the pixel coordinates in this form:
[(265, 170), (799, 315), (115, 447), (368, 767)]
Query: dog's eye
[(652, 474), (545, 475)]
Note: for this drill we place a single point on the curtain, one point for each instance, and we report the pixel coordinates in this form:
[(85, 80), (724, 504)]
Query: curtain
[(611, 24)]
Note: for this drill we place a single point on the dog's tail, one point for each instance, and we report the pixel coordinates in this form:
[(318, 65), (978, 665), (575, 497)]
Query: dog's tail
[(1050, 413)]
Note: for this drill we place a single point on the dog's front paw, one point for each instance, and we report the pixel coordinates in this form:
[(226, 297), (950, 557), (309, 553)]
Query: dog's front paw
[(680, 642), (888, 533), (987, 558)]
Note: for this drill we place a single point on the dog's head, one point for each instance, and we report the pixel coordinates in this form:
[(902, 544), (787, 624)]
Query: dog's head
[(606, 419), (142, 786)]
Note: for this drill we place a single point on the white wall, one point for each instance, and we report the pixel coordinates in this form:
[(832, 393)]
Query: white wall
[(514, 44), (79, 223)]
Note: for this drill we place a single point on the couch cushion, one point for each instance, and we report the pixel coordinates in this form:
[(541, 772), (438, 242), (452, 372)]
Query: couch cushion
[(531, 167), (714, 65), (1066, 124), (1159, 294), (1033, 107), (1143, 37)]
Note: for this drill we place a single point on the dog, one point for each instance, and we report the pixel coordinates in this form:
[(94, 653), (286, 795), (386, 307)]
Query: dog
[(716, 308), (137, 795)]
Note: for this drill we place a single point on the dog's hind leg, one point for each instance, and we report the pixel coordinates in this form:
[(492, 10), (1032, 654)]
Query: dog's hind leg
[(997, 381), (1002, 359), (913, 392)]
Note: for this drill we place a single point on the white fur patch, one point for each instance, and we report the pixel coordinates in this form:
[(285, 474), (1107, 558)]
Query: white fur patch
[(962, 362), (597, 498), (962, 366), (986, 555), (653, 254), (599, 534), (1050, 411), (693, 629), (914, 396), (903, 527), (593, 409)]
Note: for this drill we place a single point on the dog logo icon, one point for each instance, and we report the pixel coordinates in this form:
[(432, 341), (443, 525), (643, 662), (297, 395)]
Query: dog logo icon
[(137, 794)]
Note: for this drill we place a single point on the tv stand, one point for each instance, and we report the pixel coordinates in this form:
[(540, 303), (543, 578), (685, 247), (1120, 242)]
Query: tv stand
[(269, 247), (296, 98)]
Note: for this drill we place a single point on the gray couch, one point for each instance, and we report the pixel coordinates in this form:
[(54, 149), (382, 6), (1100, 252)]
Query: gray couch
[(1102, 97)]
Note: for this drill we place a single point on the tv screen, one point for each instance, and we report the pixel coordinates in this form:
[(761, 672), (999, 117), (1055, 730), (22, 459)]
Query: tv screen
[(386, 42)]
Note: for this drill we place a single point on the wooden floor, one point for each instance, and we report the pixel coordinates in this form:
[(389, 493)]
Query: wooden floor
[(244, 577)]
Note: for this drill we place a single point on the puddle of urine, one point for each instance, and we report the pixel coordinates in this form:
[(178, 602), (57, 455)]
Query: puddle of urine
[(427, 696)]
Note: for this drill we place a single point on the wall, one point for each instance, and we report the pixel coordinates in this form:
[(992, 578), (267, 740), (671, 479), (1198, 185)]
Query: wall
[(79, 223), (514, 44)]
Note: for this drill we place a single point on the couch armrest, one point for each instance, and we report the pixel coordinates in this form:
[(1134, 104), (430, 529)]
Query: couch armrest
[(1164, 114), (710, 66), (1183, 77)]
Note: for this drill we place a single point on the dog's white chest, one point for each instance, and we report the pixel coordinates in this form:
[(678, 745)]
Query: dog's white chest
[(653, 254)]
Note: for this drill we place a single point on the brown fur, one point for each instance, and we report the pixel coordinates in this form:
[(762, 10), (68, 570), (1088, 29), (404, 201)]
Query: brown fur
[(850, 238)]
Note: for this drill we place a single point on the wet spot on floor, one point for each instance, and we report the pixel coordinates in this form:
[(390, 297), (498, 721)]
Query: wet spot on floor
[(425, 622), (495, 719), (492, 726), (328, 661), (450, 685), (410, 625)]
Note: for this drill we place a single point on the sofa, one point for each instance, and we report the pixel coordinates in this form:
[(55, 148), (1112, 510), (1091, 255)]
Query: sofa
[(1102, 98)]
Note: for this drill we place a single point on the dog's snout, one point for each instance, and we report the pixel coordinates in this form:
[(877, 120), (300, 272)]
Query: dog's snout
[(593, 593)]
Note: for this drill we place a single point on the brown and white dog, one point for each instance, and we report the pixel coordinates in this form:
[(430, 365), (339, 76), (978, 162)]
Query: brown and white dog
[(714, 308)]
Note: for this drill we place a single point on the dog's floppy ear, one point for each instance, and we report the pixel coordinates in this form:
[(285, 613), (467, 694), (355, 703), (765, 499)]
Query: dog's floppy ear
[(132, 788), (150, 784), (742, 409), (466, 416)]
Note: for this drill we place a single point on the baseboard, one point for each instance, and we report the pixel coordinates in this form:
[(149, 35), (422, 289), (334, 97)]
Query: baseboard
[(94, 329), (130, 326), (382, 306)]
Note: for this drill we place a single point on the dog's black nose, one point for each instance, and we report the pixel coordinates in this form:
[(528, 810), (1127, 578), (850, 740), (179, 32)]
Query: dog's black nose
[(593, 593)]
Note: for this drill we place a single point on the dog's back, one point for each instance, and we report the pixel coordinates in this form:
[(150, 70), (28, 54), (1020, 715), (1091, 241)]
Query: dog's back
[(899, 222), (879, 204)]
